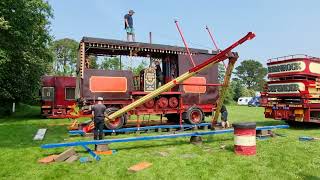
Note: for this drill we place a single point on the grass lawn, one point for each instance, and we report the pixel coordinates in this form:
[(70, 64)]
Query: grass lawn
[(277, 158)]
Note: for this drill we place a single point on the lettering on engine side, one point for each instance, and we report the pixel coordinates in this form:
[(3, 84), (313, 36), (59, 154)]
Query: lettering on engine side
[(285, 88), (287, 67)]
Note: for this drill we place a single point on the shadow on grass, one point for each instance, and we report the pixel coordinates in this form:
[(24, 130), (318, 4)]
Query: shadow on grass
[(269, 123), (304, 126)]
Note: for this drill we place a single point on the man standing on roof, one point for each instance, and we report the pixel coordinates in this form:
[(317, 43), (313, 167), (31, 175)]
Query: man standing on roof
[(128, 25)]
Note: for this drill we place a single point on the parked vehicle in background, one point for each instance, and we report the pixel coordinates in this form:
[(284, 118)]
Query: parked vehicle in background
[(254, 102), (244, 100)]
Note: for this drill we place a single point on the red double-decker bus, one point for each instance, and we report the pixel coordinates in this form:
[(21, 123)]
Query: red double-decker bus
[(292, 92)]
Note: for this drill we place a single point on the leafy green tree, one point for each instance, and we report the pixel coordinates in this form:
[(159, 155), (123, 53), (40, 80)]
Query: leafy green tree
[(112, 63), (4, 24), (240, 91), (228, 99), (237, 89), (24, 52), (251, 73), (248, 92), (93, 62), (65, 56), (141, 66), (221, 72)]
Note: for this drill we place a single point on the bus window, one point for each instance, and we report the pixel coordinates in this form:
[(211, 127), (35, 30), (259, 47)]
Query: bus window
[(47, 93), (70, 93)]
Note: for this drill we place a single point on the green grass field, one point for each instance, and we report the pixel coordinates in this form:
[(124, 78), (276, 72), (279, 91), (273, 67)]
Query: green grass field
[(277, 158)]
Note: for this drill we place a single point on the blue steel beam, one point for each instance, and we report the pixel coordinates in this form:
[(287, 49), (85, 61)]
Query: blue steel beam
[(94, 155), (145, 138), (75, 132)]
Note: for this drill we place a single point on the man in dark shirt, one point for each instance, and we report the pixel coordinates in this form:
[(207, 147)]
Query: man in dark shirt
[(224, 117), (98, 119), (128, 25)]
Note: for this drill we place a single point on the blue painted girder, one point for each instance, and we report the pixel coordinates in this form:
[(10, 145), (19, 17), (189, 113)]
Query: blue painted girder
[(75, 132), (145, 138)]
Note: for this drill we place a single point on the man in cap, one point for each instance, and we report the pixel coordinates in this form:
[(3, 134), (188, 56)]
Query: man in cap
[(98, 119), (128, 25)]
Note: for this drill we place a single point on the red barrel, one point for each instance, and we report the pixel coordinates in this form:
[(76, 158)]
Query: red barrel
[(245, 138)]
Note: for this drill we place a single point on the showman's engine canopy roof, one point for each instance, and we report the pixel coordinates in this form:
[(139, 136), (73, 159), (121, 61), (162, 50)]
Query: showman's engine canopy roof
[(99, 46)]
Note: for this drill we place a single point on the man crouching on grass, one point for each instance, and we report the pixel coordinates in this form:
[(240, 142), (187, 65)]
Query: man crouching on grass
[(98, 119), (224, 117)]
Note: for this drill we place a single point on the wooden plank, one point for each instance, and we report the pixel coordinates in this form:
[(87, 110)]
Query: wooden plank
[(139, 167), (48, 159), (65, 155), (109, 152), (40, 134), (102, 147), (72, 158)]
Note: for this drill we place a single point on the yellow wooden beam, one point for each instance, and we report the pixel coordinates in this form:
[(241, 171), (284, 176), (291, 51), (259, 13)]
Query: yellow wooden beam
[(232, 60)]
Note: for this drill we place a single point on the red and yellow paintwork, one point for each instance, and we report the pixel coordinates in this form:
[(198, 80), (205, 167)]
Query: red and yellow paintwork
[(293, 90), (59, 106), (116, 87)]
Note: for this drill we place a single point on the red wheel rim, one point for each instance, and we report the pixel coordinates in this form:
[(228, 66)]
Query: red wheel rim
[(173, 102), (163, 102), (149, 104), (195, 116), (115, 123)]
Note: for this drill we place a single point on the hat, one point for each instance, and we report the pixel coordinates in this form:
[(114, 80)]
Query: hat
[(131, 11), (100, 98)]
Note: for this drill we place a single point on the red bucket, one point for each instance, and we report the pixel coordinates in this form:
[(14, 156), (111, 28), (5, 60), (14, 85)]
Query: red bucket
[(245, 138)]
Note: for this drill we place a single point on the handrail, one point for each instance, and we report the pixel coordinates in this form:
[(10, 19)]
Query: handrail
[(294, 56)]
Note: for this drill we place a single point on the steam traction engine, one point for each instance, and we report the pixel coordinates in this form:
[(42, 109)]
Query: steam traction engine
[(189, 101), (293, 90)]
